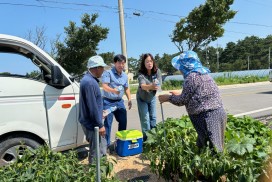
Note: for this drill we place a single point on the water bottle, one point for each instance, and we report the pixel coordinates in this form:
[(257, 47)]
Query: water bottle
[(108, 111), (120, 88), (157, 83)]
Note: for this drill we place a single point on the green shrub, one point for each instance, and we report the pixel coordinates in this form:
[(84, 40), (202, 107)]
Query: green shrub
[(175, 156), (172, 85), (45, 165), (239, 80), (133, 89)]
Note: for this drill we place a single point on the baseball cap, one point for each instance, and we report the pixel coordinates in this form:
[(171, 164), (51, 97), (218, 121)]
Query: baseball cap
[(95, 61)]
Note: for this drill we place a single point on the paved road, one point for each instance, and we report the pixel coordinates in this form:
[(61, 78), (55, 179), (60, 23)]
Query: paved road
[(253, 99)]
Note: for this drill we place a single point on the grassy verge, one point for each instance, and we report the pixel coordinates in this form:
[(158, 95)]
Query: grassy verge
[(176, 84)]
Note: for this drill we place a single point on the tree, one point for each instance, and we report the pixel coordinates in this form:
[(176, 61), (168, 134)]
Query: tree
[(228, 55), (164, 63), (38, 38), (133, 65), (202, 25), (108, 57), (80, 44)]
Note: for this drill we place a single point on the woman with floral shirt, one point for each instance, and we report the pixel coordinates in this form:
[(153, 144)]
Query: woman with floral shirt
[(200, 96)]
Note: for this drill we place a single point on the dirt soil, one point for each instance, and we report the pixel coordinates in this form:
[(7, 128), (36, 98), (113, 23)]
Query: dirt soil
[(132, 169)]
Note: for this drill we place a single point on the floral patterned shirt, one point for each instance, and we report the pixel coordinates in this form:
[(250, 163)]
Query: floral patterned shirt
[(200, 93)]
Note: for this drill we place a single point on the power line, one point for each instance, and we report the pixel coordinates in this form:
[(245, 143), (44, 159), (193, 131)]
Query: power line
[(40, 6), (251, 24), (111, 7), (116, 8), (238, 32), (78, 4), (255, 2)]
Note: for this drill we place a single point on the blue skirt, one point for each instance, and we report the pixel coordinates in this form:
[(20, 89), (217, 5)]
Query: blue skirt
[(210, 127)]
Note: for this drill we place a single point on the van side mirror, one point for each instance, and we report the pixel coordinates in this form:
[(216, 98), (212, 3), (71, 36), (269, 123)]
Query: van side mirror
[(56, 76)]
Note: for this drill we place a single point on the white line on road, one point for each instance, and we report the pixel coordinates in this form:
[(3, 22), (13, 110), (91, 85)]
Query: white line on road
[(251, 112)]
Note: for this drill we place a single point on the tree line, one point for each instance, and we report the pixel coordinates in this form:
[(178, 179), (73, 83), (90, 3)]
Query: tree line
[(251, 53), (203, 25)]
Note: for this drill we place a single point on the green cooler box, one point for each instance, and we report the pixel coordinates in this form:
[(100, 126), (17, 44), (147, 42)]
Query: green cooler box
[(129, 142)]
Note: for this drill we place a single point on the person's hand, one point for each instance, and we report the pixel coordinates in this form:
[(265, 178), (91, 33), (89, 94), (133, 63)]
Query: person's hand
[(129, 104), (102, 131), (116, 91), (154, 86), (164, 98), (174, 92), (104, 114)]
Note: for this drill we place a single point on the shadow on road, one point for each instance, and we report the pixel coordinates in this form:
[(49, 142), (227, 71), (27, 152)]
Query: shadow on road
[(269, 92)]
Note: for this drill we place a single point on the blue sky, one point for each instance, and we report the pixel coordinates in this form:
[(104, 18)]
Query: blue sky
[(146, 33)]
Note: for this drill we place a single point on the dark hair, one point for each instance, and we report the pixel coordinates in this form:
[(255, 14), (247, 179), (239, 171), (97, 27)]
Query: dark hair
[(143, 69), (120, 58)]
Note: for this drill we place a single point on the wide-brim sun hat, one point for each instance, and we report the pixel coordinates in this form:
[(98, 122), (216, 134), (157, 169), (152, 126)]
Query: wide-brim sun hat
[(176, 61), (95, 61)]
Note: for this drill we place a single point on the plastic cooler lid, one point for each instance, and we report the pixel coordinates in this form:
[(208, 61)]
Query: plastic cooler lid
[(129, 134)]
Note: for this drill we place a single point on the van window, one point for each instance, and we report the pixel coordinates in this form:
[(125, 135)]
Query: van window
[(16, 65)]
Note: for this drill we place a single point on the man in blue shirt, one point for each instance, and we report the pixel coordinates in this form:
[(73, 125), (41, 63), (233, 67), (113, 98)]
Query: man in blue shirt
[(115, 85), (91, 106)]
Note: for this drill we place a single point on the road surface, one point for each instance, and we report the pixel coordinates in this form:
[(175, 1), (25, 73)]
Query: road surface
[(253, 99)]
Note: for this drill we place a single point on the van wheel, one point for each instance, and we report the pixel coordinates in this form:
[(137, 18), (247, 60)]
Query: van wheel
[(13, 148)]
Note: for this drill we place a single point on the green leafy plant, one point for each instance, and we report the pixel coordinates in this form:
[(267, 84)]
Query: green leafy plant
[(173, 154), (44, 164)]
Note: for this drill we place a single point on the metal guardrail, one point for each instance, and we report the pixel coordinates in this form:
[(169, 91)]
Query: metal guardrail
[(259, 73)]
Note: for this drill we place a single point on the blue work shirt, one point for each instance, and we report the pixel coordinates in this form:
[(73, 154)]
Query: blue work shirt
[(90, 102), (114, 80)]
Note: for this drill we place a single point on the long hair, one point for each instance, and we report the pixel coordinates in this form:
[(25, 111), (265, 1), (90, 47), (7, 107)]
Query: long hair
[(143, 69)]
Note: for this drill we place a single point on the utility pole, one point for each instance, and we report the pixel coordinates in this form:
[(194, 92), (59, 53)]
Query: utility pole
[(207, 58), (217, 58), (122, 31), (269, 58), (247, 62)]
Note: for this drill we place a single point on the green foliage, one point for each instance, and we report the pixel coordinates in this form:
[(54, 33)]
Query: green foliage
[(133, 65), (172, 85), (5, 73), (80, 44), (33, 74), (177, 84), (239, 80), (203, 25), (173, 154), (164, 63), (133, 89), (108, 57), (249, 53), (45, 165)]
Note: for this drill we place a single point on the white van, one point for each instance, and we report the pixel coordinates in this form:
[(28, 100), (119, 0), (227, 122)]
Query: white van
[(38, 101)]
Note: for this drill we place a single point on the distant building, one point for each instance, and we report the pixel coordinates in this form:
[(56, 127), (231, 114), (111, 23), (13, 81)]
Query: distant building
[(130, 76)]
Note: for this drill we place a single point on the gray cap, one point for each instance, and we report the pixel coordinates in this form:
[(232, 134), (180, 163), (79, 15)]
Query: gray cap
[(95, 61)]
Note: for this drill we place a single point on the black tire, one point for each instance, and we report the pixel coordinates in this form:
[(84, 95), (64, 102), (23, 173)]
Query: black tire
[(12, 148)]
